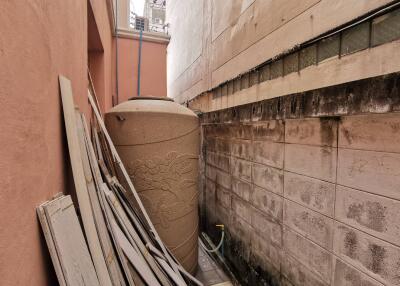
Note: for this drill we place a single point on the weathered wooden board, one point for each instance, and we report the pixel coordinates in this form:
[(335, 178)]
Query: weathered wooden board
[(97, 144), (189, 276), (133, 237), (70, 243), (157, 254), (118, 189), (92, 89), (135, 259), (105, 241), (145, 249), (106, 209), (174, 276), (129, 273), (80, 182), (50, 243)]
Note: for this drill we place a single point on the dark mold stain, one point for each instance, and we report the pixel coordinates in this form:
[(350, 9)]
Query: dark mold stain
[(223, 163), (369, 214), (223, 146), (250, 269), (372, 95), (304, 220), (376, 216), (395, 127), (326, 151), (240, 168), (294, 131), (378, 254), (269, 130), (245, 113), (350, 276), (328, 130), (210, 144), (347, 136), (305, 197), (240, 150), (355, 211), (221, 130), (350, 244), (242, 131), (273, 205)]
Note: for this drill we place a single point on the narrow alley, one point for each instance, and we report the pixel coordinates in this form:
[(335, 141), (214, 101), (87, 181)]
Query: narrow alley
[(200, 142)]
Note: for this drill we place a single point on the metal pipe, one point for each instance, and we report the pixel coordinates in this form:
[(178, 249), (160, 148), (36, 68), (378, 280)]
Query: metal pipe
[(116, 51), (139, 61)]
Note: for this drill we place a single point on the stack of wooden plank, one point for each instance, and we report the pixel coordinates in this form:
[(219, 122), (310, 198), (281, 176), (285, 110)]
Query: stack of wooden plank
[(117, 244)]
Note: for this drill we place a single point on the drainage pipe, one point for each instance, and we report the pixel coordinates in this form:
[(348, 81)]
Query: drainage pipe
[(221, 242), (116, 52), (139, 61)]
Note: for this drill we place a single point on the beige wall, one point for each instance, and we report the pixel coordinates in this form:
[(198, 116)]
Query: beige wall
[(185, 20), (235, 36), (40, 40)]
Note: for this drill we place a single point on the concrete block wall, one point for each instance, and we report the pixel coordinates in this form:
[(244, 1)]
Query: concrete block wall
[(306, 201), (217, 41)]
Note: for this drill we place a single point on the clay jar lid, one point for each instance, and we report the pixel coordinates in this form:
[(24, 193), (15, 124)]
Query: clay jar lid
[(146, 120)]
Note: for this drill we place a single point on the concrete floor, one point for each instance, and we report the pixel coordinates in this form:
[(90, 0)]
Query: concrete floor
[(209, 272)]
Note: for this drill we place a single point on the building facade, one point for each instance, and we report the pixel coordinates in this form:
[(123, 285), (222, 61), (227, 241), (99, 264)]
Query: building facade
[(299, 105), (154, 10)]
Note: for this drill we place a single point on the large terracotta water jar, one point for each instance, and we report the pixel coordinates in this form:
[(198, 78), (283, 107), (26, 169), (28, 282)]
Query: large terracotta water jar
[(158, 142)]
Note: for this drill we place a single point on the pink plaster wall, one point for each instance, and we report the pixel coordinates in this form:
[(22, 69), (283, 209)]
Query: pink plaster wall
[(153, 68), (104, 29), (40, 39)]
